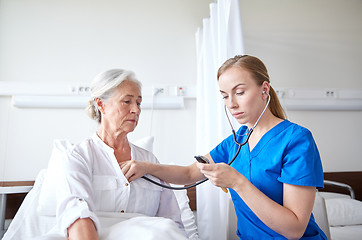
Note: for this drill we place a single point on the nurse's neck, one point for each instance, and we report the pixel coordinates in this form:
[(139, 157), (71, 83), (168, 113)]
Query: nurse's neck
[(266, 122)]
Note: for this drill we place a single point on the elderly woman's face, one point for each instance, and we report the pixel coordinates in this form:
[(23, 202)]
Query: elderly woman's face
[(122, 110)]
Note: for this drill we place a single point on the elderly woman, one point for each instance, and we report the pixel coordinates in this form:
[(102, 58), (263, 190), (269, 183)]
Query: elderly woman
[(87, 176), (93, 173)]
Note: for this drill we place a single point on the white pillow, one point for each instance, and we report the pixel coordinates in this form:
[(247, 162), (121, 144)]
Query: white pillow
[(344, 211), (326, 195), (47, 197), (145, 143)]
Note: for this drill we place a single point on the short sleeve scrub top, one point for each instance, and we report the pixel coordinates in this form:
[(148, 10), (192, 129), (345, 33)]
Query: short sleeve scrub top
[(285, 154)]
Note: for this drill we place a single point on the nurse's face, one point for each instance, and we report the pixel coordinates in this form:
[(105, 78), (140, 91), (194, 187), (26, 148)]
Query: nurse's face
[(122, 110), (242, 96)]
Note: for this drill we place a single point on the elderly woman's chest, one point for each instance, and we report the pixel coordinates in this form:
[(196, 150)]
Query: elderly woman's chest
[(113, 193)]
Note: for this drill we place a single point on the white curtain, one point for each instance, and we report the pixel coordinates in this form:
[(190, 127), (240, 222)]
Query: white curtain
[(219, 39)]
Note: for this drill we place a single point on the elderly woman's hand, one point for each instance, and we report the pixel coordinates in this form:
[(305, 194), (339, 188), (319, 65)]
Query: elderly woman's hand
[(133, 170)]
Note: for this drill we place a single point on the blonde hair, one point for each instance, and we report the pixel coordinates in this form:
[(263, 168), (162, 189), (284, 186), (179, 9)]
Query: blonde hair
[(260, 74), (103, 86)]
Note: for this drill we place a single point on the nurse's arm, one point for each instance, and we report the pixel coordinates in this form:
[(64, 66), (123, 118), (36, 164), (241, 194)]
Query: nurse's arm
[(181, 175), (289, 220)]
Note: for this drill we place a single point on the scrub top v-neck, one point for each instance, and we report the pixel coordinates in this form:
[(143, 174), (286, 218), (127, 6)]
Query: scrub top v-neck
[(287, 153)]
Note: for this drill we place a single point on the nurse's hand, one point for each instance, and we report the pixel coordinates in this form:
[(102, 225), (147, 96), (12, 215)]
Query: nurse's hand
[(133, 170), (221, 174)]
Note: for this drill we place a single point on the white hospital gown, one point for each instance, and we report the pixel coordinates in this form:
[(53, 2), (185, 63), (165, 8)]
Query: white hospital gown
[(84, 179)]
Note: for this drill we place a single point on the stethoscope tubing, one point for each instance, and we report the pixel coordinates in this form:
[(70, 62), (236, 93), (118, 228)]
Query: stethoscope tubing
[(232, 160), (205, 179), (174, 188)]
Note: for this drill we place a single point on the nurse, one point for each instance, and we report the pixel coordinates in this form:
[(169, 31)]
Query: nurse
[(273, 180)]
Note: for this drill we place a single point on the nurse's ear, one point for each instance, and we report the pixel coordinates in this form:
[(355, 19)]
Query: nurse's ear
[(265, 89), (100, 105)]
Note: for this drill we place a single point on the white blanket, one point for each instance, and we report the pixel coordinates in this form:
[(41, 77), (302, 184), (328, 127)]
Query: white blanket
[(142, 227), (130, 227)]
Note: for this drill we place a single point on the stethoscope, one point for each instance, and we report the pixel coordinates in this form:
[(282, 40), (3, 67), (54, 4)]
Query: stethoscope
[(250, 131)]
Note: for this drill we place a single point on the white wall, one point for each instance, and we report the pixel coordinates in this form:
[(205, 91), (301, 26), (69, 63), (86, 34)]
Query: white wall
[(72, 41), (313, 44), (305, 44)]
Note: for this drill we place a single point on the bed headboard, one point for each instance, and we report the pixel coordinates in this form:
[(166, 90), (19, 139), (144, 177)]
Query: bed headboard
[(354, 179), (191, 193), (13, 201)]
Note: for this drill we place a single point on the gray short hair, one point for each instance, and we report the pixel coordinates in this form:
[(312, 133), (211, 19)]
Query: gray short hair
[(103, 86)]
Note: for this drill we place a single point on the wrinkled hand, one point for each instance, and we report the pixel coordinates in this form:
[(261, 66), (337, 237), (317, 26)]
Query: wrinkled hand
[(220, 174), (133, 170)]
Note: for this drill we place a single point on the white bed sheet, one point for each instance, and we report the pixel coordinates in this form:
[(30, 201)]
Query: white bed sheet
[(351, 232), (344, 216)]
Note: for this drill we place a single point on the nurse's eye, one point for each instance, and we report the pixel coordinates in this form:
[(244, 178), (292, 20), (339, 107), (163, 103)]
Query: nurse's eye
[(225, 97), (239, 93)]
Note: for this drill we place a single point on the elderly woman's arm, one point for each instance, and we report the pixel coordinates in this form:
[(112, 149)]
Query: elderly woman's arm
[(75, 207), (82, 228)]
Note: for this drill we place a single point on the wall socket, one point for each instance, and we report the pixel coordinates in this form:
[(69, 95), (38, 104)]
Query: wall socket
[(168, 90), (330, 94), (160, 90), (80, 89)]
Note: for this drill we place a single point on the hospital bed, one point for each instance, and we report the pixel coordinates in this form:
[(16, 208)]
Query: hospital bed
[(342, 212)]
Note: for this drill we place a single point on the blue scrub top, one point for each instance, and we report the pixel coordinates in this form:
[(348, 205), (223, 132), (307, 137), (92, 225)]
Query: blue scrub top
[(287, 153)]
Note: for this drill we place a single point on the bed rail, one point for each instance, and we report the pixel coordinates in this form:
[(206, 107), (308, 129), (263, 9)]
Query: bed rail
[(341, 185)]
